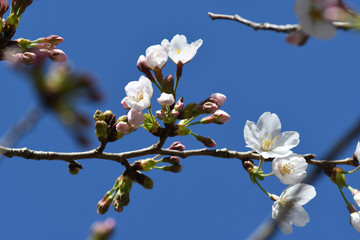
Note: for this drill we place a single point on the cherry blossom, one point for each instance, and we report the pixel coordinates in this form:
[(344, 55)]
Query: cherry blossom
[(290, 169), (180, 50), (288, 210), (266, 139), (156, 57), (138, 93), (313, 20)]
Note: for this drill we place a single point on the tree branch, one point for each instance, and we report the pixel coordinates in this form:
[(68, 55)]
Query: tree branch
[(274, 27), (154, 149)]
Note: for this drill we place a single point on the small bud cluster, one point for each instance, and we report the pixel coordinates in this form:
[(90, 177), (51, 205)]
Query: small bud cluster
[(105, 126), (35, 52)]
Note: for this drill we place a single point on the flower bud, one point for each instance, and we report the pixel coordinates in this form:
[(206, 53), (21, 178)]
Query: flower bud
[(4, 6), (208, 142), (297, 38), (102, 230), (356, 194), (52, 40), (166, 99), (176, 146), (173, 168), (141, 64), (98, 115), (108, 115), (123, 127), (145, 165), (135, 118), (182, 131), (104, 204), (144, 180), (74, 167), (179, 104), (171, 159), (336, 175), (218, 99), (101, 130), (218, 117), (355, 220), (160, 114), (117, 205), (156, 57), (207, 107), (168, 84)]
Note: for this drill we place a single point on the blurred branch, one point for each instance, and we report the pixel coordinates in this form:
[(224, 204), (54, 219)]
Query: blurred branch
[(21, 127), (273, 27), (268, 227)]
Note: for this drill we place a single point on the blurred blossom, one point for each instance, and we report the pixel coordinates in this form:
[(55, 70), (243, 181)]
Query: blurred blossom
[(311, 14), (139, 93), (156, 57), (290, 169), (102, 230), (288, 210), (266, 139), (180, 50), (166, 99)]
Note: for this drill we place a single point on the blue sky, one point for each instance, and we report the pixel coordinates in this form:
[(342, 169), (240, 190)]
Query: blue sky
[(313, 89)]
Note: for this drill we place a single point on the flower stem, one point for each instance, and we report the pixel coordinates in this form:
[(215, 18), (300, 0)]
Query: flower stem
[(342, 194), (188, 125), (256, 181), (188, 121), (260, 164), (152, 116), (267, 174), (352, 171)]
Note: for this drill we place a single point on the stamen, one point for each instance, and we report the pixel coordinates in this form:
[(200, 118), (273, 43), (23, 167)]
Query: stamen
[(178, 50), (285, 203), (286, 168), (268, 143), (139, 96)]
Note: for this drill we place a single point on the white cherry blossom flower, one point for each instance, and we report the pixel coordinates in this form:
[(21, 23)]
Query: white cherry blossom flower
[(266, 139), (139, 94), (156, 57), (355, 220), (166, 99), (179, 49), (290, 169), (288, 210), (312, 17)]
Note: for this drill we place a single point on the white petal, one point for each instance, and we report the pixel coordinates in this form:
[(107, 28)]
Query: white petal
[(269, 123), (251, 135), (355, 220), (289, 139), (301, 193), (298, 216), (284, 226)]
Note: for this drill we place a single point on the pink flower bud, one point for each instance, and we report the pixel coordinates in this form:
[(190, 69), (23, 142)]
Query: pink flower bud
[(221, 117), (141, 64), (160, 114), (208, 142), (56, 55), (53, 40), (102, 230), (177, 146), (4, 6), (220, 98), (179, 105), (123, 103), (209, 107), (123, 127), (135, 118)]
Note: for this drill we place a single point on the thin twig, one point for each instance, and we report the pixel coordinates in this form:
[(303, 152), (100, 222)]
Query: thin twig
[(287, 28)]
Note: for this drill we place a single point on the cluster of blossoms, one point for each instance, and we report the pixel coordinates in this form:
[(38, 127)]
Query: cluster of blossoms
[(24, 50), (175, 115), (266, 138), (139, 94), (317, 18)]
